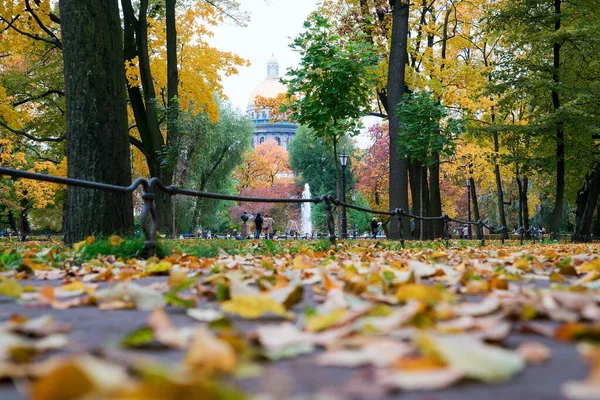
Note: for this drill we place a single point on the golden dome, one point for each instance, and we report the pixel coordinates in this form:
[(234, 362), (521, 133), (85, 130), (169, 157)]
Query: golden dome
[(269, 88)]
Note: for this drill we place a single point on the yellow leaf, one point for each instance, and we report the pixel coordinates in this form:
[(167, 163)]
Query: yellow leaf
[(317, 323), (254, 307), (10, 287), (302, 262), (209, 353), (77, 246), (418, 291), (523, 264), (115, 240), (73, 286), (90, 240), (159, 268)]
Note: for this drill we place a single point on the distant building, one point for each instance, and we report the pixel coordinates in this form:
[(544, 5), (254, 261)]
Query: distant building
[(264, 129)]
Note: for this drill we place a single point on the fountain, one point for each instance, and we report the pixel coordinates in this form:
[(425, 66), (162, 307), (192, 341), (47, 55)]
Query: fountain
[(306, 211)]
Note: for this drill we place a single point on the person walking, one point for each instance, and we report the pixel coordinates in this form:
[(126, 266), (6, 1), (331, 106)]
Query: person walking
[(258, 223), (268, 226), (374, 228), (24, 226)]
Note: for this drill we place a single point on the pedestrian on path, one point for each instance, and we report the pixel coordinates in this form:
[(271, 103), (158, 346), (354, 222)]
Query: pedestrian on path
[(374, 228), (258, 223)]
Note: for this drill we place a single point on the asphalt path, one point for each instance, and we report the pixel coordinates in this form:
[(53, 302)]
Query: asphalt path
[(93, 329)]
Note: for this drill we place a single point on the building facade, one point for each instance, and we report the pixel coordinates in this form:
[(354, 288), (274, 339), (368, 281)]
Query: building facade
[(264, 129)]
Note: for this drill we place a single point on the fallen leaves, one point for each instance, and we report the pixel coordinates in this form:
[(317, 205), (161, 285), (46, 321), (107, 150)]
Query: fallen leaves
[(418, 319)]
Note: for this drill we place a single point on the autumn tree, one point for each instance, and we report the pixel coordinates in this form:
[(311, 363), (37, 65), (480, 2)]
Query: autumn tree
[(96, 113), (329, 90), (372, 173), (151, 69)]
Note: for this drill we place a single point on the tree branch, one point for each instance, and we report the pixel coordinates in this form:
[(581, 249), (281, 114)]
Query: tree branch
[(47, 93), (29, 35), (55, 39), (140, 146), (31, 137)]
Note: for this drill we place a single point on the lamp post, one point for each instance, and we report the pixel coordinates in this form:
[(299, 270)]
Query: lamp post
[(469, 234), (286, 226), (344, 162)]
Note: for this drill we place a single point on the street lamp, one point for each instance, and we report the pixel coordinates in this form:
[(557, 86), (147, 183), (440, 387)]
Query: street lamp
[(469, 234), (353, 195), (344, 162), (286, 225)]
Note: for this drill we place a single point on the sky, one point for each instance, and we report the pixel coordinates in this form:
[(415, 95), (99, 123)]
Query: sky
[(273, 24)]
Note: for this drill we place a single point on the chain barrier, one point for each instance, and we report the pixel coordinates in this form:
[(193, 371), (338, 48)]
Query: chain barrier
[(149, 215)]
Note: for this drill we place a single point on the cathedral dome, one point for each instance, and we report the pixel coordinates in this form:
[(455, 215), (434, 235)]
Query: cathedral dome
[(270, 87)]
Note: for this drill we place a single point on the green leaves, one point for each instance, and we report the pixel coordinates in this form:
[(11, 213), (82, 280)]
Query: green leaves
[(426, 129), (330, 88)]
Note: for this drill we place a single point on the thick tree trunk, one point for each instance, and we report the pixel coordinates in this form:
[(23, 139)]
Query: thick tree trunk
[(557, 213), (414, 169), (435, 197), (396, 70), (520, 210), (585, 223), (97, 138), (424, 211), (597, 223), (475, 207)]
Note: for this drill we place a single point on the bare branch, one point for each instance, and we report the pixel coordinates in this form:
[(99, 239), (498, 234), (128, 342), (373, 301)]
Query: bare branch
[(33, 98), (31, 137)]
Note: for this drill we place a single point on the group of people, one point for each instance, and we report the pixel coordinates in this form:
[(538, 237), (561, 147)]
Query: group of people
[(266, 226)]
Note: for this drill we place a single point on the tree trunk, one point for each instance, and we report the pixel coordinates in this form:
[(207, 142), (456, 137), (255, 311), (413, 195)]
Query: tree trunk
[(557, 213), (597, 224), (499, 191), (526, 225), (414, 168), (585, 225), (135, 44), (97, 138), (435, 197), (338, 191), (475, 207), (425, 225), (520, 210), (396, 70)]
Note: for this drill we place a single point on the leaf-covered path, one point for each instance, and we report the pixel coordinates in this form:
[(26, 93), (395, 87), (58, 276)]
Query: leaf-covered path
[(366, 321)]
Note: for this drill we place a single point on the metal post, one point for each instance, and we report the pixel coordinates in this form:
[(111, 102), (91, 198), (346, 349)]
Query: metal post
[(399, 214), (286, 224), (446, 233), (344, 219), (329, 218)]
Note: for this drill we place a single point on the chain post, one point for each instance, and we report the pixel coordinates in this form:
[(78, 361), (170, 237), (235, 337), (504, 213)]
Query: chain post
[(330, 219), (399, 214), (149, 210), (446, 233), (480, 226)]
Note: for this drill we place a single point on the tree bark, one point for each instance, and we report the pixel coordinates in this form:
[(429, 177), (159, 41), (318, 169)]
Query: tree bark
[(435, 197), (97, 137), (397, 65), (414, 170), (475, 206), (557, 213), (499, 191), (585, 222), (597, 223)]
